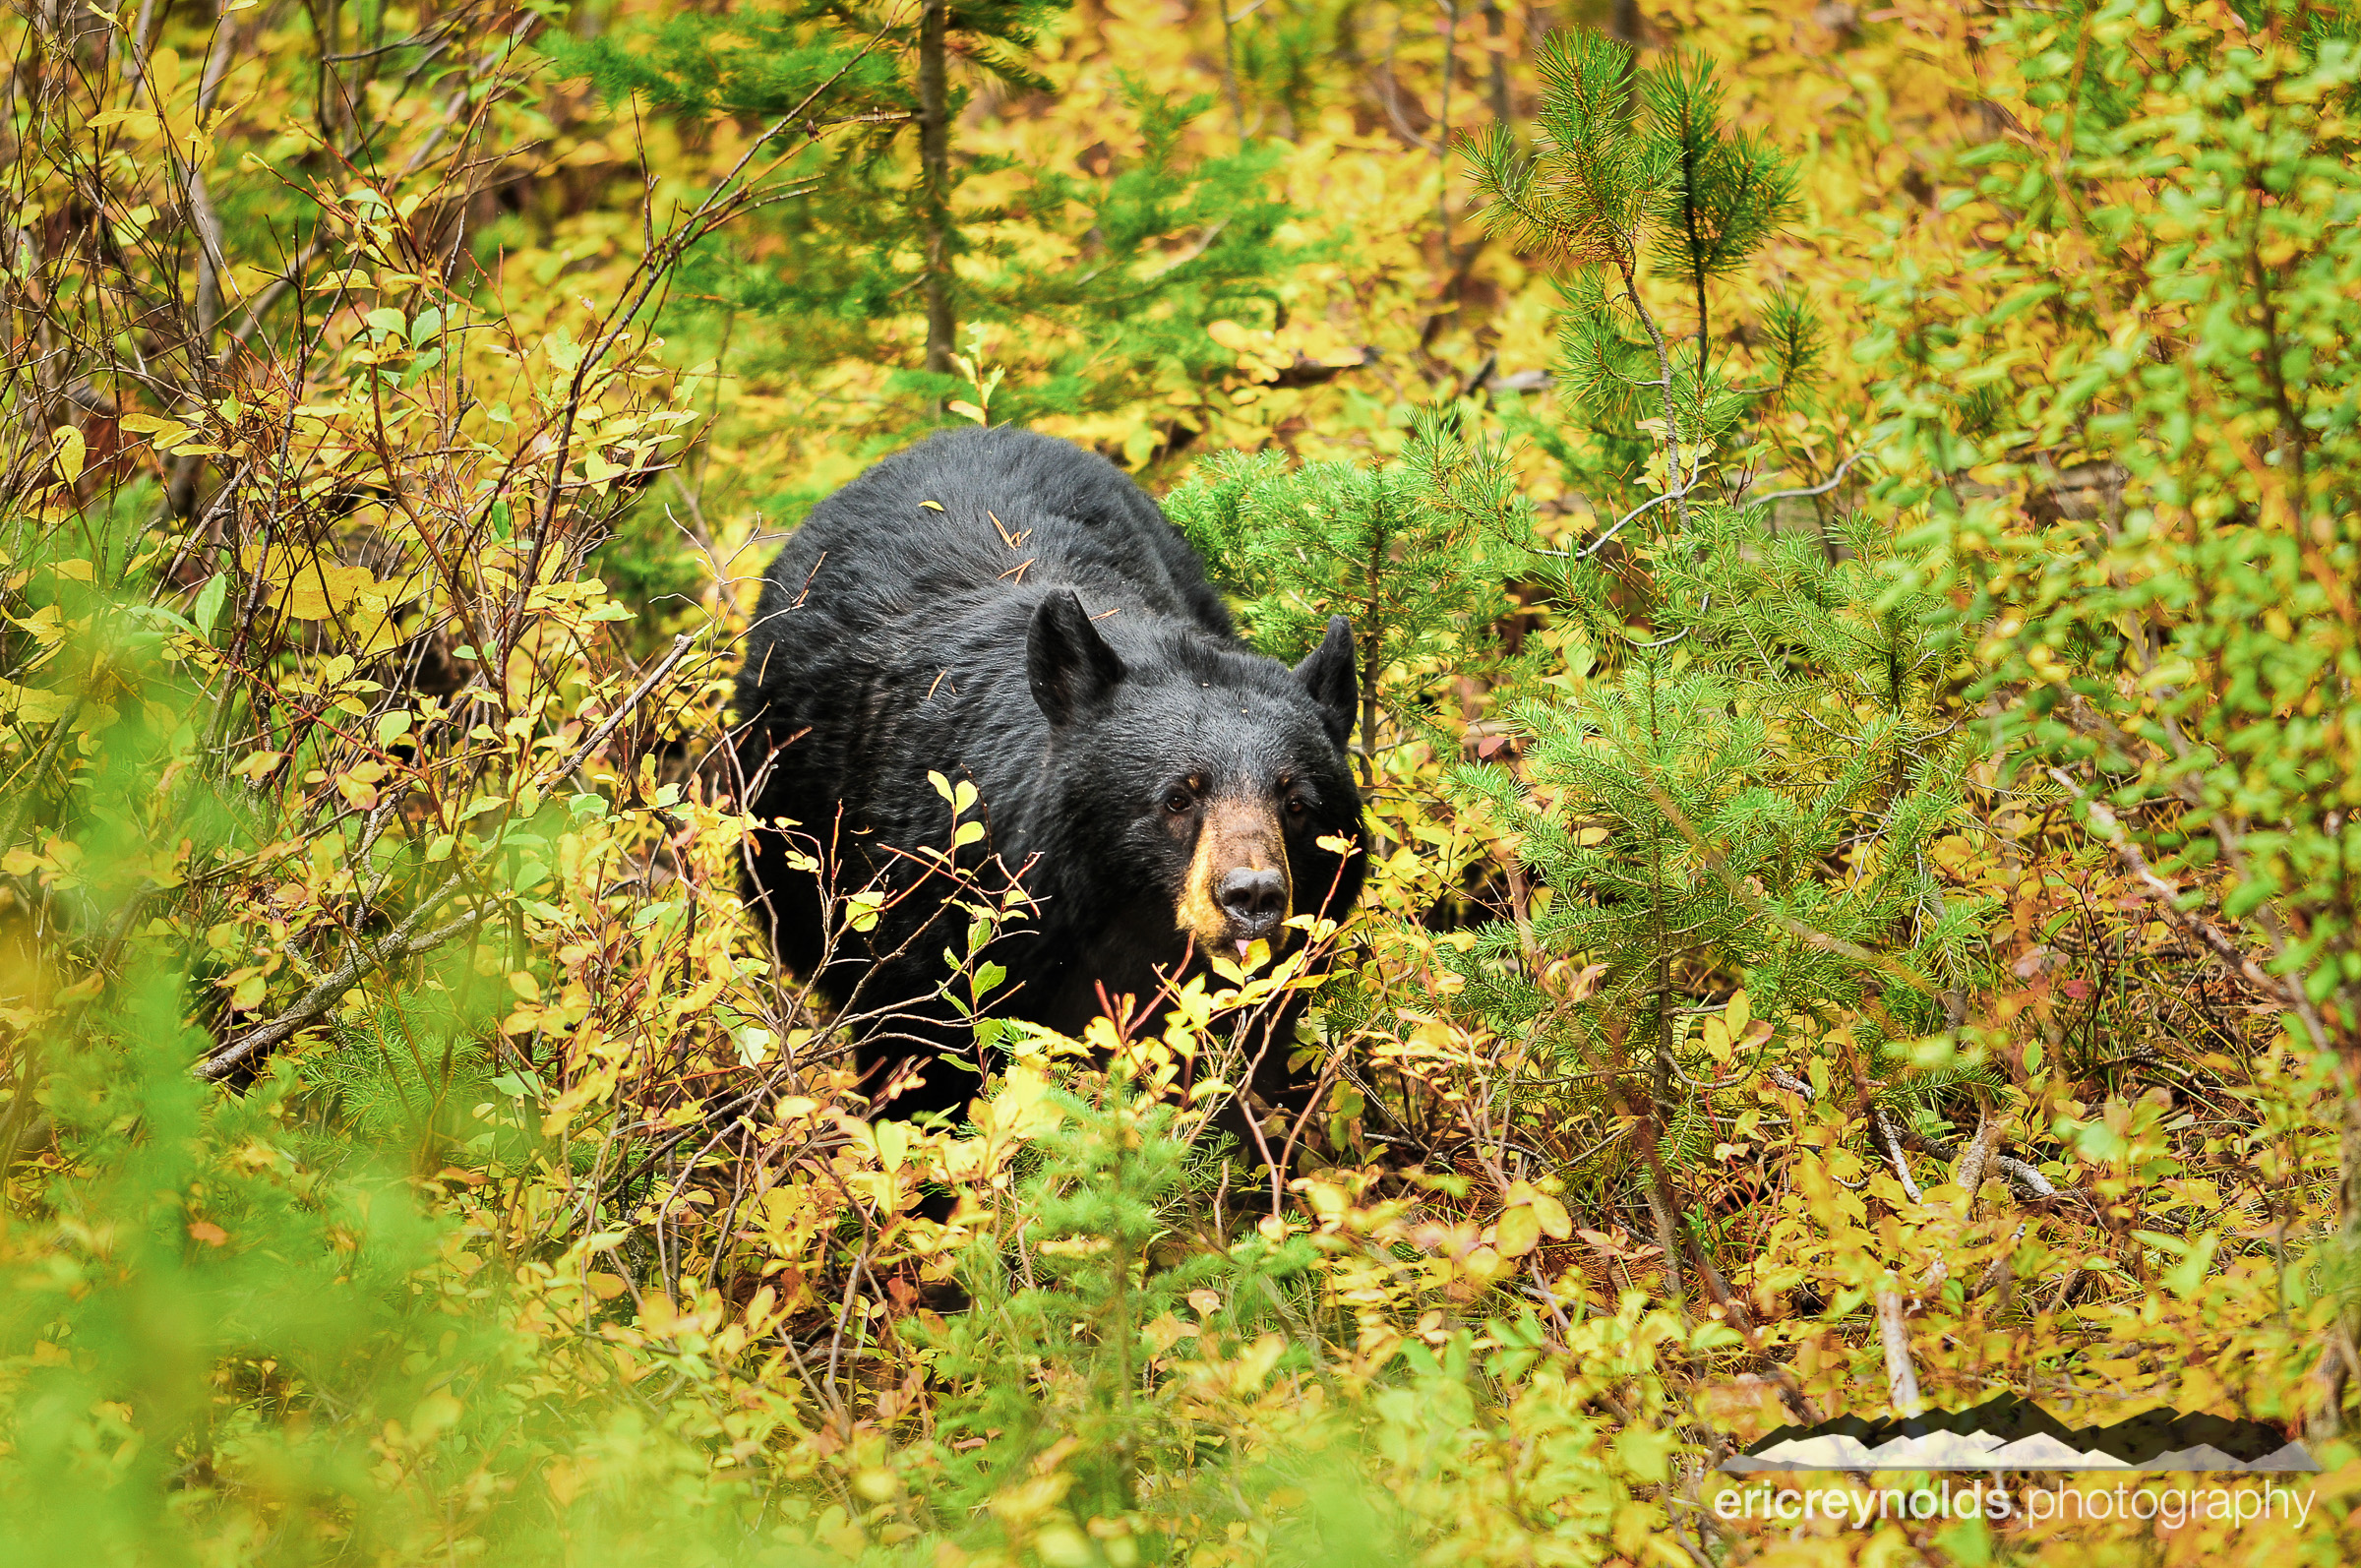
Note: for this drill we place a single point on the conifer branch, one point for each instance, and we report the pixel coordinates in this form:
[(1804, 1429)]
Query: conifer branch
[(1808, 934)]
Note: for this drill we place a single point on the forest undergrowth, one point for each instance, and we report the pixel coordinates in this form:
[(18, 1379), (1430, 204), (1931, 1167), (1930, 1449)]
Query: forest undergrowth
[(1849, 522)]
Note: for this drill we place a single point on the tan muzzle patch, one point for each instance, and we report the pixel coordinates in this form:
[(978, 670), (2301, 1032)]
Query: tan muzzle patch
[(1238, 836)]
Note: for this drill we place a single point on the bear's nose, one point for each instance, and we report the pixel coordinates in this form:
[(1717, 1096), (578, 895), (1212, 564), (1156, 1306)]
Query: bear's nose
[(1255, 902)]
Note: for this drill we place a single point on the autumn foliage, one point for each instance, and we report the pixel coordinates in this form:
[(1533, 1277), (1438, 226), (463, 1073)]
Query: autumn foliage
[(1849, 519)]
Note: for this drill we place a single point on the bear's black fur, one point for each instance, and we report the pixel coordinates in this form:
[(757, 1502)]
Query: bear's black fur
[(1002, 607)]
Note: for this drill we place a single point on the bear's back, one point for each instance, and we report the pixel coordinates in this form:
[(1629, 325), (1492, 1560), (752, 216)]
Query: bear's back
[(971, 514)]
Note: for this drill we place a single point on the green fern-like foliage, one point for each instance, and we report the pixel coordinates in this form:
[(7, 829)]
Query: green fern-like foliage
[(1753, 800), (409, 1080), (1171, 244), (1602, 192)]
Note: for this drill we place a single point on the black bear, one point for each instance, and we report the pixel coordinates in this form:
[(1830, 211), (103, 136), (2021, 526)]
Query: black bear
[(1007, 609)]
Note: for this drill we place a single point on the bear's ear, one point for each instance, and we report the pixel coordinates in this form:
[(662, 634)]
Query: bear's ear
[(1070, 666), (1328, 675)]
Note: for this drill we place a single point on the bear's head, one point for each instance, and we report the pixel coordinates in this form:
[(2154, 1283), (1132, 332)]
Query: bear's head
[(1199, 779)]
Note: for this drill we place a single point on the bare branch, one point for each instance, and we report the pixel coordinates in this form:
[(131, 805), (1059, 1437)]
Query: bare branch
[(362, 959)]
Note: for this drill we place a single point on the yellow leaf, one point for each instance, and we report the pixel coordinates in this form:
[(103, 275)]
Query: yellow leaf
[(1165, 1331), (313, 588), (1029, 1500), (966, 411), (32, 705), (138, 126), (1644, 1452), (1327, 1199), (1552, 1217), (434, 1413), (45, 624), (1519, 1232), (1060, 1545), (932, 506), (70, 453), (893, 1143), (1022, 1108)]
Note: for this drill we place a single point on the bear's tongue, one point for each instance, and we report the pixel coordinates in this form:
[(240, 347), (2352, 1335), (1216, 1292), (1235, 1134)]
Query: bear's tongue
[(1242, 948)]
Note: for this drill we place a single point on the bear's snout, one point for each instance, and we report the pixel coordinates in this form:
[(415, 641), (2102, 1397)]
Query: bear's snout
[(1239, 888), (1255, 900)]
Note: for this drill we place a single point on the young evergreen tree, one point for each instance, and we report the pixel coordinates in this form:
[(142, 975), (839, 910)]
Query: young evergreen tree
[(1740, 793), (1603, 194), (884, 71)]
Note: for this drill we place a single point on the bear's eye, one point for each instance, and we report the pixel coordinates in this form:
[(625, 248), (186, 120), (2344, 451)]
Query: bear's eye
[(1294, 806), (1178, 800)]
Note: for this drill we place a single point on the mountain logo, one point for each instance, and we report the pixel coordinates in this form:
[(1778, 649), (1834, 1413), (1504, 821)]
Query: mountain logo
[(2011, 1433)]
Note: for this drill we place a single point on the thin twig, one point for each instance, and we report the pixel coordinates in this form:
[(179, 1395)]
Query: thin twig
[(2028, 1179), (1834, 480), (1901, 1169), (1594, 547), (623, 710), (2110, 831)]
